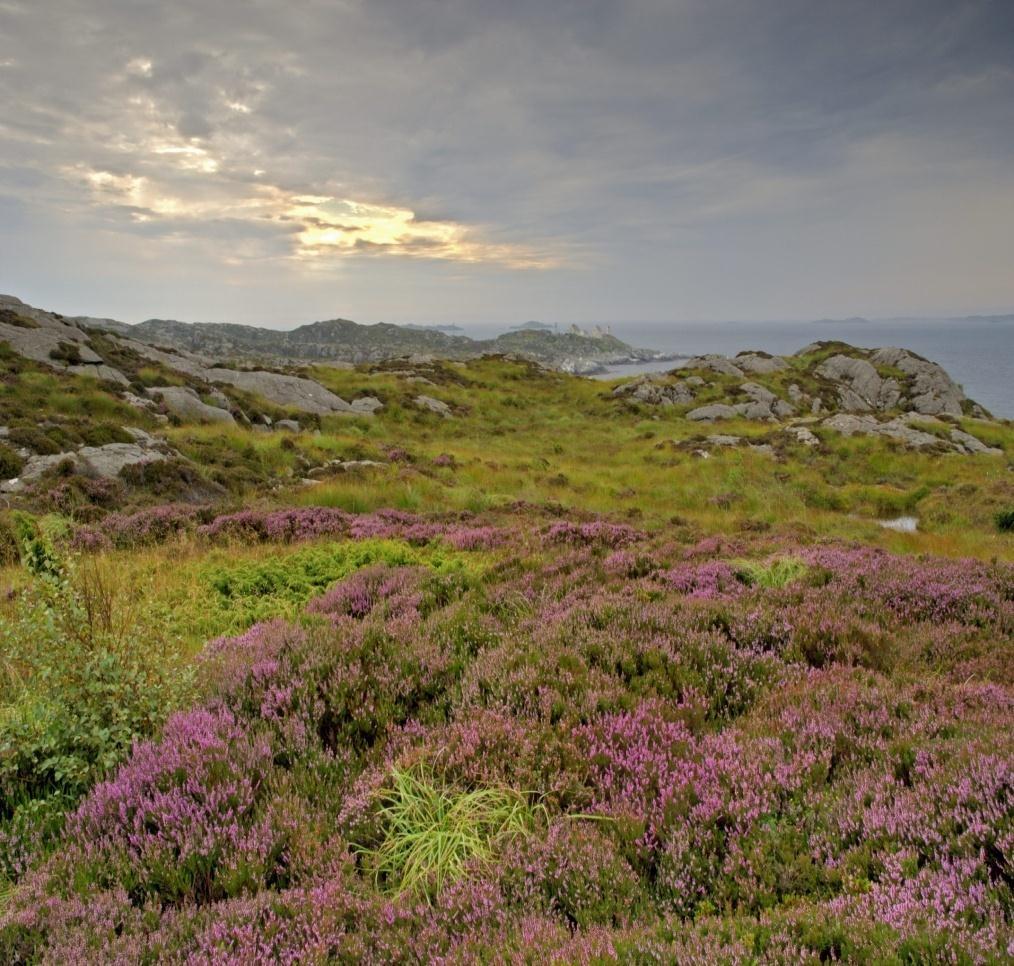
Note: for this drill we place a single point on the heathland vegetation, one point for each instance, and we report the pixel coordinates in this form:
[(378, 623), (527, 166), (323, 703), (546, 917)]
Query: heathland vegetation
[(546, 671)]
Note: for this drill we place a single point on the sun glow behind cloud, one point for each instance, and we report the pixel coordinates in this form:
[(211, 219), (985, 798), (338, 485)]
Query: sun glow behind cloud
[(320, 228)]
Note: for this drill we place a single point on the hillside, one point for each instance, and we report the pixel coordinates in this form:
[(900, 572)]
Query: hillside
[(430, 659)]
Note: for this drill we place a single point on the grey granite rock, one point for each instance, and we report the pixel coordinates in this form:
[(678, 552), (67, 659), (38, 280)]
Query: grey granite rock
[(433, 405), (185, 403), (861, 388)]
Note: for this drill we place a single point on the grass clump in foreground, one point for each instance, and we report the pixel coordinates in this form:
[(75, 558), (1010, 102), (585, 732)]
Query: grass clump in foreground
[(434, 833), (773, 574)]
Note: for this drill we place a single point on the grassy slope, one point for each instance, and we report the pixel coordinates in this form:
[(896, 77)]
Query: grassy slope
[(522, 434)]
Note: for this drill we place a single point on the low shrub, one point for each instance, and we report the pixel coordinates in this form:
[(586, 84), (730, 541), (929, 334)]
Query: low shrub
[(11, 464), (1005, 521), (84, 674)]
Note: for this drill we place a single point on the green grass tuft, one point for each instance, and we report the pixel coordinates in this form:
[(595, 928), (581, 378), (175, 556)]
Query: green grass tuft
[(773, 574), (434, 833)]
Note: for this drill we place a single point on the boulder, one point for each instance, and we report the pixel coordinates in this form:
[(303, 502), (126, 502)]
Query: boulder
[(715, 363), (99, 371), (34, 467), (185, 403), (292, 392), (433, 405), (719, 440), (366, 404), (707, 414), (288, 425), (107, 461), (802, 435), (849, 424), (967, 443), (760, 362)]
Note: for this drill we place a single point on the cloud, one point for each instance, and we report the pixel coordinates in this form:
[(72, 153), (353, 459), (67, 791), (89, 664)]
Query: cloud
[(635, 150)]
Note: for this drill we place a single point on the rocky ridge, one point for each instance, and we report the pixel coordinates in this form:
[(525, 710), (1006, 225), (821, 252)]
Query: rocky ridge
[(888, 392)]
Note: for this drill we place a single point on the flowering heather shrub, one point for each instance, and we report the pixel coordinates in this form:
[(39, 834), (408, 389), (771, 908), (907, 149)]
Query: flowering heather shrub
[(475, 538), (153, 525), (705, 581), (596, 533), (813, 763), (396, 588)]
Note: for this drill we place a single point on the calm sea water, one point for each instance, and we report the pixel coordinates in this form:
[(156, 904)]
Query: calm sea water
[(979, 355)]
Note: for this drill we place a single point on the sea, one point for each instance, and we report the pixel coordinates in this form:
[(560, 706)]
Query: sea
[(978, 354)]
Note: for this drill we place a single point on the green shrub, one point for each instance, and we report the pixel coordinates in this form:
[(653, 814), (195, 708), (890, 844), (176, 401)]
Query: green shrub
[(85, 671), (1005, 521), (68, 352), (33, 438), (11, 464), (280, 585)]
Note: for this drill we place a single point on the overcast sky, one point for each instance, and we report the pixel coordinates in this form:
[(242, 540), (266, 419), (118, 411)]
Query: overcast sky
[(279, 161)]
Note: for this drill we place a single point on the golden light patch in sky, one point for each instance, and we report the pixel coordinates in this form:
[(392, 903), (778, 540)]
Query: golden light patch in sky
[(322, 228)]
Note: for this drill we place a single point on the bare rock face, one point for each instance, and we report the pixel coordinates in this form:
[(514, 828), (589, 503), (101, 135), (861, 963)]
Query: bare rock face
[(931, 390), (861, 388), (185, 403)]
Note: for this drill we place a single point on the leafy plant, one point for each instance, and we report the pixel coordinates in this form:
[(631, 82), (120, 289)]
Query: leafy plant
[(1005, 521), (84, 672), (434, 833)]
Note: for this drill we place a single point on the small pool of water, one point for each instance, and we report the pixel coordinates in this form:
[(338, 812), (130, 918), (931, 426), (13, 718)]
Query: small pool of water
[(901, 524)]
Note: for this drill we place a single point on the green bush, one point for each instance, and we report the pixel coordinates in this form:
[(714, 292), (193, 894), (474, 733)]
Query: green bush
[(280, 585), (84, 672), (11, 464), (1005, 521)]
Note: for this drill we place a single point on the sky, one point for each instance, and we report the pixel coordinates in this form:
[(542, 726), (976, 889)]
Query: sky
[(491, 161)]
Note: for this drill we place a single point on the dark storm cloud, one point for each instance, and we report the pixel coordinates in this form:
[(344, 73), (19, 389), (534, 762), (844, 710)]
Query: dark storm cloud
[(705, 157)]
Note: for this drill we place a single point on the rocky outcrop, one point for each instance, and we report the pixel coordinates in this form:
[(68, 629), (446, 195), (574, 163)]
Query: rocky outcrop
[(760, 362), (185, 403), (99, 462), (762, 404), (931, 391), (860, 387), (899, 428), (655, 390), (716, 363), (50, 339)]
